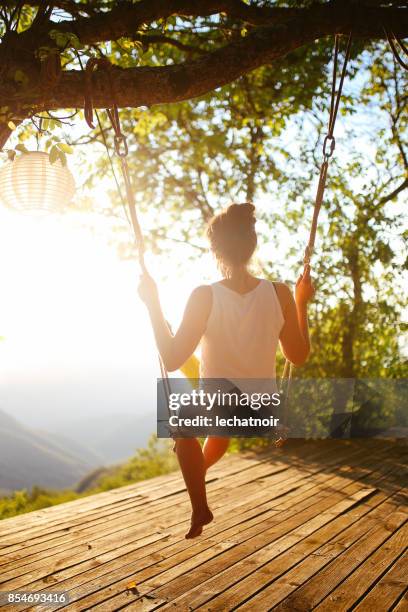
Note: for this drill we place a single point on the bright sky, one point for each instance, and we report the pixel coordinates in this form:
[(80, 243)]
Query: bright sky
[(77, 339)]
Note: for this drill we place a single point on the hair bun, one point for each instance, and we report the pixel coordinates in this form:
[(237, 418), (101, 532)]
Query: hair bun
[(232, 236), (242, 212)]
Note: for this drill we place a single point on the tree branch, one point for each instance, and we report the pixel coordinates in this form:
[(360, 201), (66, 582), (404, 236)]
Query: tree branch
[(159, 39), (393, 194), (126, 18), (154, 85), (137, 86), (69, 6)]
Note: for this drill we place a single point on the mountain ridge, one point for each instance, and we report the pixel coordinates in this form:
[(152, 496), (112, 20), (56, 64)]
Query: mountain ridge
[(35, 458)]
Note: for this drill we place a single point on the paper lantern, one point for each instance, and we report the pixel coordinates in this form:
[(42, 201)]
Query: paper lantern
[(31, 183)]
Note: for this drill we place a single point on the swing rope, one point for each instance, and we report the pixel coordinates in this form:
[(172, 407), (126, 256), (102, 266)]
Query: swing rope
[(393, 41), (122, 151), (329, 145), (120, 144)]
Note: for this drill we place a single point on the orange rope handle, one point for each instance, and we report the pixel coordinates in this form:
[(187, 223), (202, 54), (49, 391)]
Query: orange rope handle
[(316, 211), (137, 230), (92, 64)]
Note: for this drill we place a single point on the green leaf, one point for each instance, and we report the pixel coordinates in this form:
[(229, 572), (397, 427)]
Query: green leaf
[(65, 147), (64, 39), (54, 154), (22, 148), (63, 158)]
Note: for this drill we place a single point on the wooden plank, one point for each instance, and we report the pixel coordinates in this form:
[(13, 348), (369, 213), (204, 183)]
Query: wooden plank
[(135, 528), (301, 479), (239, 582), (78, 536), (402, 605), (152, 503), (46, 531), (281, 586), (315, 584), (83, 568), (230, 592), (112, 603), (389, 589), (237, 463), (15, 565), (244, 586), (11, 525), (254, 513), (232, 464), (44, 525), (230, 588), (185, 575), (143, 551), (367, 574)]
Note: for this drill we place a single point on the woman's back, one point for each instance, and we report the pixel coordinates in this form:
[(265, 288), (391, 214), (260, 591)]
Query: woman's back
[(241, 337)]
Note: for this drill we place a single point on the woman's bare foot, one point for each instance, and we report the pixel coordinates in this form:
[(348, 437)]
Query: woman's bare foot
[(198, 520)]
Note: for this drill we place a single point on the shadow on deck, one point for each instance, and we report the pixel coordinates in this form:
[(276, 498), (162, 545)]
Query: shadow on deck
[(315, 525)]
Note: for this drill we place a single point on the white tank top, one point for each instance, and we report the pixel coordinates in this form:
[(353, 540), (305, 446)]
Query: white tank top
[(241, 338)]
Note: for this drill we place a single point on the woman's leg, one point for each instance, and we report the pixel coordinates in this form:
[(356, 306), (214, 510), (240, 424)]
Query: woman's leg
[(214, 449), (191, 460)]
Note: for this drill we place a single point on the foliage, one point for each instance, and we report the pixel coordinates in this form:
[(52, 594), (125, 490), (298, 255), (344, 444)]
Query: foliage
[(358, 319), (183, 50), (24, 501), (57, 150), (148, 462)]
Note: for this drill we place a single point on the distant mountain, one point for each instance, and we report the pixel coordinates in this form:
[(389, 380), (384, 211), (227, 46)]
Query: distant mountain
[(74, 447), (112, 437), (29, 457)]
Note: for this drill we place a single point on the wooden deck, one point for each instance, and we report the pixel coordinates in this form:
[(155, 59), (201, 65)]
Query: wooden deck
[(318, 525)]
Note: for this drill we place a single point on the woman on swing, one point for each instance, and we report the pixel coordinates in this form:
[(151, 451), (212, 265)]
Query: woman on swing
[(239, 321)]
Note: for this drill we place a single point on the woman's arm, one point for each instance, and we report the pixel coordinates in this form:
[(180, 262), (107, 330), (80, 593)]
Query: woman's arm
[(176, 349), (294, 337)]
